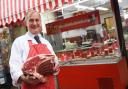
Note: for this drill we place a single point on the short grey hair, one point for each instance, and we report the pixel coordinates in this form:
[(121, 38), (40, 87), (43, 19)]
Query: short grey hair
[(29, 13)]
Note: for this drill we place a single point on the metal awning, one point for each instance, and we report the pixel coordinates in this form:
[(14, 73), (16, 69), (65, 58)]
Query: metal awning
[(12, 10)]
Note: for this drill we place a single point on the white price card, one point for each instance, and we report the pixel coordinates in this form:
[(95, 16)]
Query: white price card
[(2, 80)]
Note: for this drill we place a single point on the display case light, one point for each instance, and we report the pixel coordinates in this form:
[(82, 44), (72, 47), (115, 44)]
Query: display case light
[(84, 7), (120, 1), (102, 8)]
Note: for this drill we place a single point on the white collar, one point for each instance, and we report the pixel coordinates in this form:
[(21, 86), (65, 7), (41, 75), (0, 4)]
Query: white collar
[(31, 35)]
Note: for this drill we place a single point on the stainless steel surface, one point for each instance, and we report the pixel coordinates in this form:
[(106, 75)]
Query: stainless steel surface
[(92, 61)]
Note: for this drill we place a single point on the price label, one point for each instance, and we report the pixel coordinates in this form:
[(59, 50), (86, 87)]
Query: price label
[(2, 80)]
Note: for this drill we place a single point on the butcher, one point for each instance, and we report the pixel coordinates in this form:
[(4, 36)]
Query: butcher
[(27, 46)]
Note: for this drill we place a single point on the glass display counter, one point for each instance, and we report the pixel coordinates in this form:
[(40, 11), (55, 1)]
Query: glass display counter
[(95, 51)]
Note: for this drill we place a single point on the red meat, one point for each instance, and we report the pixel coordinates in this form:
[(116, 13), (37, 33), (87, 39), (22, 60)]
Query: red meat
[(40, 65)]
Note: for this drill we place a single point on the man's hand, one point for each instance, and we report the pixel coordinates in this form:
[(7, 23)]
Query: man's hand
[(56, 69), (32, 79)]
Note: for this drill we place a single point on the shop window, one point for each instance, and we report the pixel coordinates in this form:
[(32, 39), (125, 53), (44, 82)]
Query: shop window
[(87, 32), (5, 46)]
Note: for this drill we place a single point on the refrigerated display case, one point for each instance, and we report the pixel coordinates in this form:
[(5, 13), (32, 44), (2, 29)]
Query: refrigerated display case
[(92, 55)]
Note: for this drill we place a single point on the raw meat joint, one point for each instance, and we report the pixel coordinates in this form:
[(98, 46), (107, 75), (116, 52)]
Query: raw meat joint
[(39, 65)]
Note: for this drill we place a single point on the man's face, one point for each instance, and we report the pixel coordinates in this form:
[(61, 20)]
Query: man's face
[(34, 23)]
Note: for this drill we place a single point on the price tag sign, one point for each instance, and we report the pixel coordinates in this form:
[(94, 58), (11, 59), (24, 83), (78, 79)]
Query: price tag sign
[(2, 80)]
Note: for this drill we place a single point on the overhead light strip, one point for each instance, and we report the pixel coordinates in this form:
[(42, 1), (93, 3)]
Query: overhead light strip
[(84, 7), (61, 8), (102, 8)]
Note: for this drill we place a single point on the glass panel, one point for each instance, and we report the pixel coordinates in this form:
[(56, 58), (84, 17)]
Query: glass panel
[(84, 31), (123, 4), (5, 45)]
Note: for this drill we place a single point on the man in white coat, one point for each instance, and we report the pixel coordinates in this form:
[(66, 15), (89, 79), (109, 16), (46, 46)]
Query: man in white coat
[(22, 49)]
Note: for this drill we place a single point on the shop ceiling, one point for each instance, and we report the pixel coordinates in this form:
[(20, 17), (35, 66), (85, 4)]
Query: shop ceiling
[(103, 6)]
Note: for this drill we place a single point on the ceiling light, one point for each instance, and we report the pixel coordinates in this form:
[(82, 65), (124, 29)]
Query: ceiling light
[(120, 1), (125, 15), (84, 7), (102, 8)]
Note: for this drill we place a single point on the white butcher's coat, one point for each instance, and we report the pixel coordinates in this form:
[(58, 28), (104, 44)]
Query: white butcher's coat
[(19, 54)]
